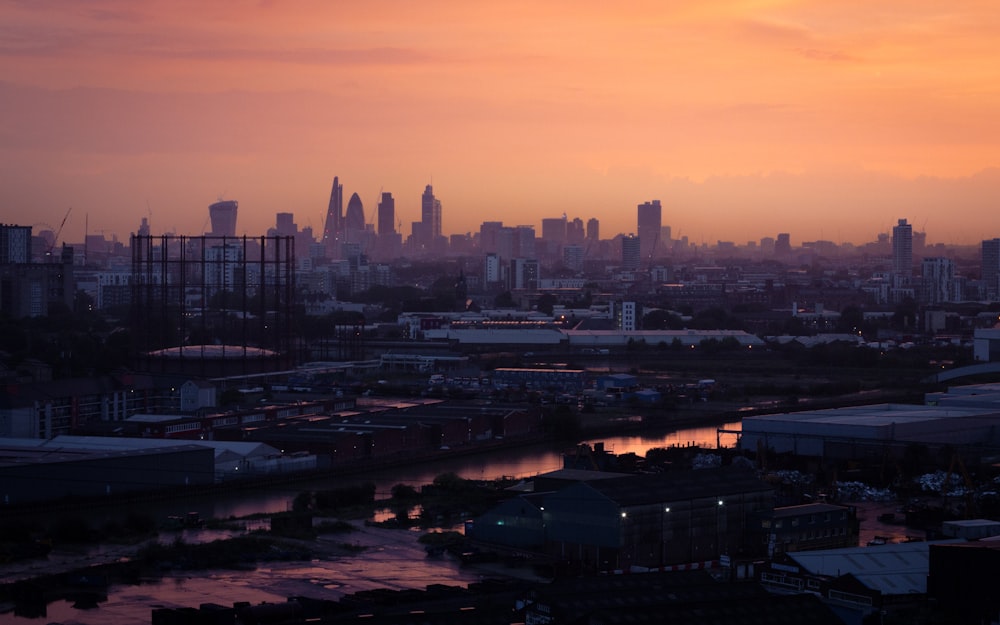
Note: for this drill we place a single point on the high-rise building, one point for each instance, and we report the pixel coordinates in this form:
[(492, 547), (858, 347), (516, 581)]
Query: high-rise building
[(648, 230), (285, 225), (523, 242), (575, 231), (334, 220), (489, 233), (15, 244), (783, 244), (991, 268), (524, 274), (631, 254), (386, 215), (354, 219), (430, 212), (767, 246), (593, 229), (223, 216), (902, 250), (491, 269), (938, 279)]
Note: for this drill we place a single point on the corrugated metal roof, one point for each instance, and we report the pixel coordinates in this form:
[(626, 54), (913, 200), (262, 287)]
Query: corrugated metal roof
[(893, 569)]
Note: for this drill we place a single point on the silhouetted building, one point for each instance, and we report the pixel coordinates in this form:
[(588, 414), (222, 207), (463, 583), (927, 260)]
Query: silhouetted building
[(593, 229), (386, 214), (430, 212), (354, 220), (15, 244), (783, 244), (223, 216), (334, 221), (631, 254), (991, 268), (648, 229), (31, 289), (902, 250)]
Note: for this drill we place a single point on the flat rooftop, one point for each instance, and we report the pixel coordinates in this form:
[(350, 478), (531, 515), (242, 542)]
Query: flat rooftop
[(873, 415)]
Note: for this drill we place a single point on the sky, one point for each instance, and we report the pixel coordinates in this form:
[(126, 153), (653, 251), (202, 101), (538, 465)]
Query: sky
[(745, 118)]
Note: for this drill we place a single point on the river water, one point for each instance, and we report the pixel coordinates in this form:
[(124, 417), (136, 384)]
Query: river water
[(390, 559)]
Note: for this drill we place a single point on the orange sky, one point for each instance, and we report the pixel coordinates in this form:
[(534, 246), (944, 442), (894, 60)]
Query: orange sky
[(828, 120)]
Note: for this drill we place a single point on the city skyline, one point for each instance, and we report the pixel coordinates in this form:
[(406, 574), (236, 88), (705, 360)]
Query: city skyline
[(827, 121)]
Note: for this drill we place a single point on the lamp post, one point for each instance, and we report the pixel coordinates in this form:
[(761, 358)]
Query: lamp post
[(720, 510)]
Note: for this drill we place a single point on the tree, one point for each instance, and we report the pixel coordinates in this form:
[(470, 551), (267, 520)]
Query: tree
[(546, 303), (504, 300)]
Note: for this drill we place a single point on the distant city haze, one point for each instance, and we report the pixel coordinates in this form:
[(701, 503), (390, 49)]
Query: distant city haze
[(825, 120)]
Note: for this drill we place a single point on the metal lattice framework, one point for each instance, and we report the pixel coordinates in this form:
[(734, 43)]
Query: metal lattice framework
[(212, 299)]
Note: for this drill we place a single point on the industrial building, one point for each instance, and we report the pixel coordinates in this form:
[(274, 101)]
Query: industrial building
[(85, 466), (32, 472), (637, 522), (872, 431), (856, 582)]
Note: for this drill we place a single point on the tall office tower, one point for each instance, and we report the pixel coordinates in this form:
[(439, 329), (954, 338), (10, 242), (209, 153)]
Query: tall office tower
[(354, 219), (631, 253), (991, 268), (334, 220), (593, 229), (553, 236), (938, 280), (783, 244), (430, 212), (523, 242), (15, 244), (223, 216), (902, 249), (489, 233), (386, 215), (285, 225), (505, 242), (575, 232), (648, 230)]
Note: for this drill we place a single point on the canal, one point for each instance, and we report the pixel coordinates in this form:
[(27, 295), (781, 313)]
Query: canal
[(385, 559)]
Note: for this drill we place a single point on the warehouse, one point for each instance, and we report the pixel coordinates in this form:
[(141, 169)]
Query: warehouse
[(869, 431)]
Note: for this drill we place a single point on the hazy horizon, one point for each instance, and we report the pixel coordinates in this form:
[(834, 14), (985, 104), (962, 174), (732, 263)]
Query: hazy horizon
[(829, 121)]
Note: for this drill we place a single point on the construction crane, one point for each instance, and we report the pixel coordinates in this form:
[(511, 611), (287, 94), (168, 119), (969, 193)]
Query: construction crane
[(55, 238)]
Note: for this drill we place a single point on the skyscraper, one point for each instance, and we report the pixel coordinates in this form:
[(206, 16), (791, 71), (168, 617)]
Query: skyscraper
[(648, 229), (593, 229), (386, 215), (223, 216), (902, 250), (631, 246), (354, 219), (430, 212), (334, 220), (991, 268)]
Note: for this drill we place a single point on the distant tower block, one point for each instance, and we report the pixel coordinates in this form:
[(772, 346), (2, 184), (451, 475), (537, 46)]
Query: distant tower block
[(223, 216)]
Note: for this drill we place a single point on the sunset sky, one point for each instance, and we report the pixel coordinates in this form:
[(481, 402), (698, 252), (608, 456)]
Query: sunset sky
[(745, 118)]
